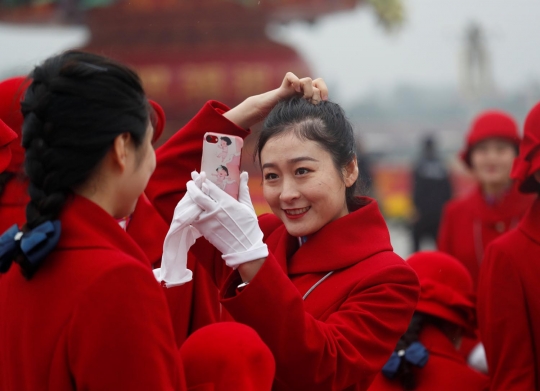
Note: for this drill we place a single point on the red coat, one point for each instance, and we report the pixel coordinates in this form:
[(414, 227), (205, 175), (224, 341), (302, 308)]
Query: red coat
[(509, 306), (341, 335), (13, 203), (469, 224), (446, 369), (93, 316), (196, 303)]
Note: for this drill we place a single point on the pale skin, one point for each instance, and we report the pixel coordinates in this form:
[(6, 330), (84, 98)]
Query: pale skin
[(491, 162)]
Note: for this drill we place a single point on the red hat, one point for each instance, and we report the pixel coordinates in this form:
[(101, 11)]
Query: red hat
[(446, 288), (158, 119), (227, 356), (6, 137), (528, 161), (11, 92), (490, 124)]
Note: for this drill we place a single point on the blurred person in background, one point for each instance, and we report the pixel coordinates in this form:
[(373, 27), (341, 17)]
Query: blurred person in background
[(470, 223), (431, 190), (80, 306), (13, 182), (426, 358), (509, 286)]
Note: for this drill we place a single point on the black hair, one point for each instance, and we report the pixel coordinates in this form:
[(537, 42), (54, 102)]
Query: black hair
[(227, 140), (324, 123), (75, 107), (5, 177), (223, 168)]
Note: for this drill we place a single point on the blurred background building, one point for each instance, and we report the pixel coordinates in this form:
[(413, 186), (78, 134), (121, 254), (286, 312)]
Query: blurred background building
[(402, 69)]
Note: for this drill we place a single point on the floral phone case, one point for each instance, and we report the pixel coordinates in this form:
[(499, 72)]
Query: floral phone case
[(221, 161)]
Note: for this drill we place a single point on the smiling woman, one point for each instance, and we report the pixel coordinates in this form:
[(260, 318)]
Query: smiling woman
[(318, 279)]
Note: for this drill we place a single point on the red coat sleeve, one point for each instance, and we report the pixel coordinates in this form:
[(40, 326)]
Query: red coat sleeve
[(347, 348), (182, 154), (504, 327), (120, 336)]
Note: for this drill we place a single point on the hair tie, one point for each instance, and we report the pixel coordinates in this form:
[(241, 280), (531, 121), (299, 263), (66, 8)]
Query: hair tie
[(35, 244), (416, 354)]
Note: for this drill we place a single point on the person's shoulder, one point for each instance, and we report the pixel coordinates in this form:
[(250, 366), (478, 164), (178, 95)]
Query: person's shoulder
[(269, 222)]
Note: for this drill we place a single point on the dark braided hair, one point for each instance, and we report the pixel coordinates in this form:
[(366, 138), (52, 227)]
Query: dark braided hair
[(75, 107), (324, 123), (5, 177)]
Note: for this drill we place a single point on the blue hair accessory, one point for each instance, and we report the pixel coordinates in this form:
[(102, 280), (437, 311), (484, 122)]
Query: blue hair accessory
[(416, 354), (35, 244)]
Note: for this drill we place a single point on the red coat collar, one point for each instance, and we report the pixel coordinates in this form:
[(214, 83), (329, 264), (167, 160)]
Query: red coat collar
[(530, 224), (339, 244), (513, 204), (86, 225), (438, 344)]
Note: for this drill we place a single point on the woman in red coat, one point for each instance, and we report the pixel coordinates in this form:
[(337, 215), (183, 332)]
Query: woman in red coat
[(427, 357), (79, 304), (318, 280), (469, 224), (509, 287)]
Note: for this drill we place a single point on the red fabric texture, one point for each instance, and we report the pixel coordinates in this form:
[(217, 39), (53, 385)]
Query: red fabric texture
[(446, 288), (470, 223), (224, 353), (93, 316), (194, 304), (7, 135), (446, 369), (490, 124), (508, 306), (11, 92), (528, 161), (158, 119), (341, 335)]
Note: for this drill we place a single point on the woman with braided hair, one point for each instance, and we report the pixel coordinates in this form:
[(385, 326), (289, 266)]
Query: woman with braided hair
[(79, 304)]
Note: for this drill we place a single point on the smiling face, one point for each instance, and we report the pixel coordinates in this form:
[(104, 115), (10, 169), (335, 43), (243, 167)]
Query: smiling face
[(302, 184), (221, 173), (492, 161)]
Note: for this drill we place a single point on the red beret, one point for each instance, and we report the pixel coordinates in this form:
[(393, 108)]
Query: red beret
[(490, 124), (446, 288), (6, 138), (11, 93), (225, 357), (528, 161), (158, 119)]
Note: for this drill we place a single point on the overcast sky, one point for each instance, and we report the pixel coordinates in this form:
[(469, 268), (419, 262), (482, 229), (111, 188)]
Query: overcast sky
[(357, 56)]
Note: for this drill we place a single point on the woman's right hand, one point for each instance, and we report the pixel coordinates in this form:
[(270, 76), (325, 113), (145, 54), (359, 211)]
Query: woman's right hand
[(255, 108), (230, 225)]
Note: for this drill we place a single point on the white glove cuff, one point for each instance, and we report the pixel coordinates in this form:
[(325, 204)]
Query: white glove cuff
[(181, 279), (256, 252)]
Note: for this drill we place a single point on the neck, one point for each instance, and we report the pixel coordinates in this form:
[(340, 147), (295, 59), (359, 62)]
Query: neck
[(496, 190)]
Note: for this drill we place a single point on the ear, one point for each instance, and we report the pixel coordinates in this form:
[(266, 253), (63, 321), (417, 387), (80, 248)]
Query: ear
[(121, 150), (350, 172)]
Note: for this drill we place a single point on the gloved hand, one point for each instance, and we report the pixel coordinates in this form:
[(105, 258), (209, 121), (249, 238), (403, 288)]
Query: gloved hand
[(179, 239), (230, 225)]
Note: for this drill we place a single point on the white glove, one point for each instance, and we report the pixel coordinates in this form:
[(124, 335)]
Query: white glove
[(230, 225), (179, 239), (477, 358)]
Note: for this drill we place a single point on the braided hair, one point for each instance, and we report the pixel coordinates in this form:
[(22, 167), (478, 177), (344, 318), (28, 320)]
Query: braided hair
[(75, 107)]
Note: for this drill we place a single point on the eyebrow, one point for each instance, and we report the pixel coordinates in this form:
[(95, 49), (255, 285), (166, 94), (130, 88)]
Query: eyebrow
[(292, 161)]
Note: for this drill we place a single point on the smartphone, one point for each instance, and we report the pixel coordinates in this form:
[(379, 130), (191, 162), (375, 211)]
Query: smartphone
[(221, 161)]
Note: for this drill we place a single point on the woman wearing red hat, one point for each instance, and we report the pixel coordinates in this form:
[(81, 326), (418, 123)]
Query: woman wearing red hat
[(318, 279), (469, 224), (79, 304), (509, 287), (427, 357)]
